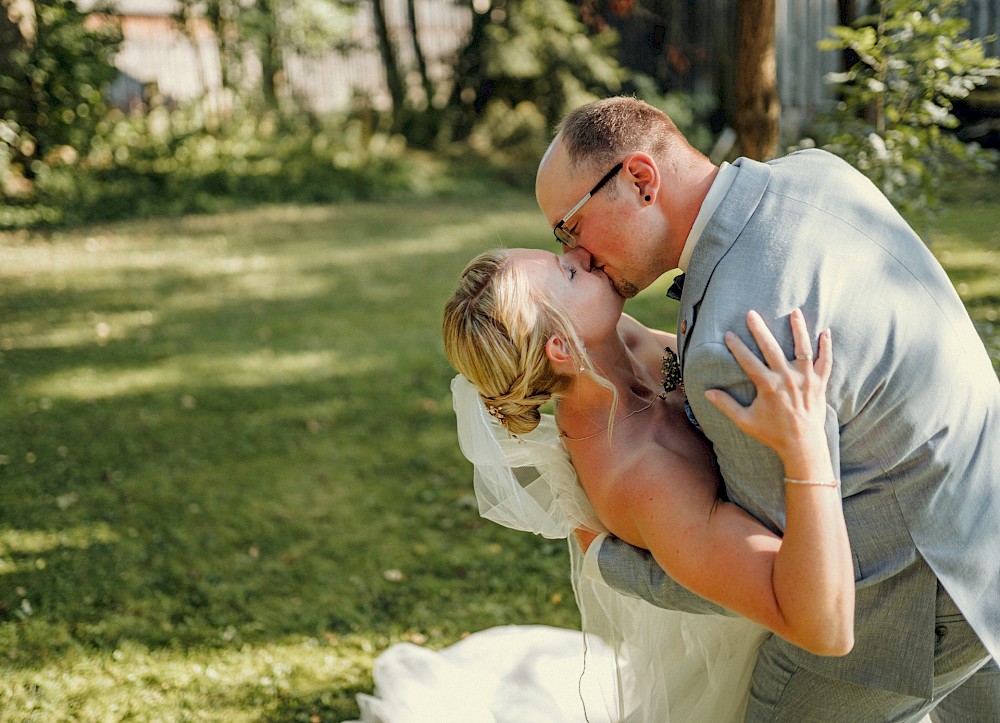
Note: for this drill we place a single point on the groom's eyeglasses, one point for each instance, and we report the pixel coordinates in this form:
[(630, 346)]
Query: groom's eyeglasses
[(562, 234)]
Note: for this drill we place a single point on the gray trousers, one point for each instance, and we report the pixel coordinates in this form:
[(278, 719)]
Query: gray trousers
[(966, 685)]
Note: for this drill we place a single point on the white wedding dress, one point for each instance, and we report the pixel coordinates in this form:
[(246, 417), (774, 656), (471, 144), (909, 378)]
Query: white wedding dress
[(631, 663)]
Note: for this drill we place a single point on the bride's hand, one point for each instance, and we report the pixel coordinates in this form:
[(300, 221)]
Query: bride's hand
[(789, 411)]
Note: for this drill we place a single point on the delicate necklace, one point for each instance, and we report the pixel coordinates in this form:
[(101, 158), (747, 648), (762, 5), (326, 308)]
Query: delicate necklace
[(601, 431)]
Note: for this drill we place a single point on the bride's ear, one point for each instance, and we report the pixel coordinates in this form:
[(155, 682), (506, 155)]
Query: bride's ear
[(558, 352)]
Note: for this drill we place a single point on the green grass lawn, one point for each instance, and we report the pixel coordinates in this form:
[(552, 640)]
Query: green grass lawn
[(229, 475)]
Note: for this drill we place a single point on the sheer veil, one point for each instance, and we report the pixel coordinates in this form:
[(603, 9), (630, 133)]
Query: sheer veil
[(665, 665), (525, 482)]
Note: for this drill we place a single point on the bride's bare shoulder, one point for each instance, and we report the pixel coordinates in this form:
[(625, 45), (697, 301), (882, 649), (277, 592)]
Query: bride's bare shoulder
[(624, 483), (630, 330), (643, 340)]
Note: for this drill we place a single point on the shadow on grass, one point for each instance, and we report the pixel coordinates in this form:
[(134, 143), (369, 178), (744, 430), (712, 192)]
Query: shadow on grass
[(232, 430), (235, 430), (315, 707)]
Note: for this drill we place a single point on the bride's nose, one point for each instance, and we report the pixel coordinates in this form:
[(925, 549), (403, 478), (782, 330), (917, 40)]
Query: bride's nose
[(582, 257)]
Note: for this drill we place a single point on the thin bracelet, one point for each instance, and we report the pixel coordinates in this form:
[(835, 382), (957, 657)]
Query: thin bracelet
[(813, 482)]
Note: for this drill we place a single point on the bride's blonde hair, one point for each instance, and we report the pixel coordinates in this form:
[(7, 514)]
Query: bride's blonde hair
[(495, 330)]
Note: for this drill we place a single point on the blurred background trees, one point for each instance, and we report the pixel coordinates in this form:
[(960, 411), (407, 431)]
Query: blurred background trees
[(54, 71), (913, 61), (164, 106)]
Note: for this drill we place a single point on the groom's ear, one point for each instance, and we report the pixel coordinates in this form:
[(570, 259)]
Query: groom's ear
[(643, 175), (558, 352)]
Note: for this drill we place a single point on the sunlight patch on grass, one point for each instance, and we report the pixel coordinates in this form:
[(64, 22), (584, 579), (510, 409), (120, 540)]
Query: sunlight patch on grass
[(67, 256), (283, 214), (970, 252), (34, 543), (88, 383), (262, 368), (39, 541), (954, 254), (254, 277), (978, 291), (96, 328), (273, 286), (106, 262), (408, 247), (210, 685)]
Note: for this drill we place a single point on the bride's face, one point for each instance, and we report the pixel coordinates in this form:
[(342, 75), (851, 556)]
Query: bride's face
[(591, 302)]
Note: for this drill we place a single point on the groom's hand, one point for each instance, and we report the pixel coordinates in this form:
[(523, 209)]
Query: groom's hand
[(584, 537)]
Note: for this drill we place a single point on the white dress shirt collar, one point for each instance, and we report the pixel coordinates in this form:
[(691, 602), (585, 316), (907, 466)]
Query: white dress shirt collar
[(720, 186)]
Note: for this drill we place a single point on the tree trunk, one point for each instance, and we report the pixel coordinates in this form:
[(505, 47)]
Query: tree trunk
[(468, 90), (758, 107), (393, 77), (882, 72), (10, 37), (272, 67), (187, 22), (847, 13), (418, 51), (18, 31)]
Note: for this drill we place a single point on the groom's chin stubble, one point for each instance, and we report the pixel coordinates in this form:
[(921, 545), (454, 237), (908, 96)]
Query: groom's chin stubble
[(626, 289)]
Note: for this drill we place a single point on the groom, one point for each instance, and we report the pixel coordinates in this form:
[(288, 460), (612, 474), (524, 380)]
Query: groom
[(914, 403)]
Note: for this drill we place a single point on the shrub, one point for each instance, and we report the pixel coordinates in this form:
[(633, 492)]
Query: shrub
[(896, 110), (165, 162)]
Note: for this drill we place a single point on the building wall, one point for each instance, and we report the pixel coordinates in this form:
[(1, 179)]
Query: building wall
[(185, 65)]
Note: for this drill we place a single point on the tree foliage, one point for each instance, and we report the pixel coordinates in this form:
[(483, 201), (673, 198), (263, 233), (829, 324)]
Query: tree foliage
[(52, 83), (264, 31), (527, 63), (524, 65), (893, 121)]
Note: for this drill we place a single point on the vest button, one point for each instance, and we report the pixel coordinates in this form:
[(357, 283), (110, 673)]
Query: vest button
[(684, 327)]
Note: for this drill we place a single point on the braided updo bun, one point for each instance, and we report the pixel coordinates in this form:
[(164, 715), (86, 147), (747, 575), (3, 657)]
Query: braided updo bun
[(495, 330)]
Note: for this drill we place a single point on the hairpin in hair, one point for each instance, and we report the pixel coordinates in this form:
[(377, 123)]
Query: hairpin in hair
[(495, 412), (499, 416)]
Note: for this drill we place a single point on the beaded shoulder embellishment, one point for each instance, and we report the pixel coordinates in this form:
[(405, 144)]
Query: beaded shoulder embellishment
[(672, 378)]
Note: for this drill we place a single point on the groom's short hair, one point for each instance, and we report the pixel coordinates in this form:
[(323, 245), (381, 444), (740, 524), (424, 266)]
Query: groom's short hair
[(601, 133)]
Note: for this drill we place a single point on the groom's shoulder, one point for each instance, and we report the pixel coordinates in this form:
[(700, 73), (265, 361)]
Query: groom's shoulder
[(821, 179), (808, 157), (813, 163), (805, 174)]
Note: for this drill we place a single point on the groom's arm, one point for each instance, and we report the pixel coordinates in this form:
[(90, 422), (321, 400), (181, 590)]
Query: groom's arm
[(632, 571)]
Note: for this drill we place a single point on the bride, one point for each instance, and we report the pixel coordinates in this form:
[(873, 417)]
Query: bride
[(527, 327)]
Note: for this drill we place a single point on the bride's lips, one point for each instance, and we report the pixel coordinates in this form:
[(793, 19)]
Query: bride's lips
[(611, 281)]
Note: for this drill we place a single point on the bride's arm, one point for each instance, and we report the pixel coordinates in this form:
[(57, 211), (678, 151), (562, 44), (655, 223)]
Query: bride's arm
[(802, 586), (662, 339), (646, 342)]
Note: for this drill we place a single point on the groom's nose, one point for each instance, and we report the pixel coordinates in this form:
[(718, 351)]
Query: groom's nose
[(582, 257)]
